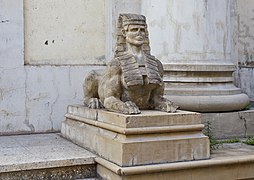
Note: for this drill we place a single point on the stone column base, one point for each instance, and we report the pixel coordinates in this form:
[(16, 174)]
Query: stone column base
[(203, 86), (212, 103)]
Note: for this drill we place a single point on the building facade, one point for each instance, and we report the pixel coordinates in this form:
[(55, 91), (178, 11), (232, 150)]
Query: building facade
[(47, 47)]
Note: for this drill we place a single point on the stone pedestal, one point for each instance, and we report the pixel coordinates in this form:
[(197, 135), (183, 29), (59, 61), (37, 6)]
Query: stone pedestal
[(151, 137), (203, 86)]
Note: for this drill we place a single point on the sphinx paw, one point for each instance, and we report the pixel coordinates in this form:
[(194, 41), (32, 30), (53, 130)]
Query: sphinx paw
[(167, 106), (95, 103), (130, 108)]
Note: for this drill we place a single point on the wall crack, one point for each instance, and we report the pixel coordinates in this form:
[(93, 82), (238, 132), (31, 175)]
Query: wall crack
[(245, 124), (30, 126), (53, 103)]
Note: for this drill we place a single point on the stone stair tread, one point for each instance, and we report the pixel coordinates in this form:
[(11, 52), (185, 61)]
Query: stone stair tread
[(40, 151)]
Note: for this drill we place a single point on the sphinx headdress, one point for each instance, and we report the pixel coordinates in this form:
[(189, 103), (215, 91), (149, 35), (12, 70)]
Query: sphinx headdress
[(123, 21)]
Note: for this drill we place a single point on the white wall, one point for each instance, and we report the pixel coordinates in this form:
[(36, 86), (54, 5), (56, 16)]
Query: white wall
[(204, 30), (32, 98), (189, 29), (63, 32), (35, 98), (245, 46), (246, 32), (113, 9)]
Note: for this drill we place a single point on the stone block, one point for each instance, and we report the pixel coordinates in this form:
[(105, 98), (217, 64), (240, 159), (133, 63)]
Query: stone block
[(127, 140), (230, 124), (145, 119), (137, 149), (227, 167), (44, 156), (248, 118), (224, 125)]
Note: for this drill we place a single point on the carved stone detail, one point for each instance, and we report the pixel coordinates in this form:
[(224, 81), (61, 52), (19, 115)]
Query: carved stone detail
[(133, 79)]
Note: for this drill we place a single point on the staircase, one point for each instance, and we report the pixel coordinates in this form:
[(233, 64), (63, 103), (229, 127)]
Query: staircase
[(44, 156), (50, 157)]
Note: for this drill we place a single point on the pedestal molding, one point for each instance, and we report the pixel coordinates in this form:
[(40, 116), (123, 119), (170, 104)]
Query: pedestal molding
[(136, 131)]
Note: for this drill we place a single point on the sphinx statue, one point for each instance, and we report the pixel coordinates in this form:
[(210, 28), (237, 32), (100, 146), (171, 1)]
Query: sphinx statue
[(132, 81)]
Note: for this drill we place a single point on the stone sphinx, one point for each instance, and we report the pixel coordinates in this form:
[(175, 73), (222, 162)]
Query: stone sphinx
[(133, 80)]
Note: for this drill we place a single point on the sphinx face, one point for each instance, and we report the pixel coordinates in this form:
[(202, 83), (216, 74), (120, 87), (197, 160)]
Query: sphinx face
[(135, 35)]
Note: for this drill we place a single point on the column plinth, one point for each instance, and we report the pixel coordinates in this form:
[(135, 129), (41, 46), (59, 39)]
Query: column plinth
[(203, 86)]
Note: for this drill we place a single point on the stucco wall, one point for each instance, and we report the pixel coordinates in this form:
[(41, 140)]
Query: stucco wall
[(246, 81), (189, 30), (246, 32), (62, 32), (32, 98), (204, 30), (245, 46), (35, 98)]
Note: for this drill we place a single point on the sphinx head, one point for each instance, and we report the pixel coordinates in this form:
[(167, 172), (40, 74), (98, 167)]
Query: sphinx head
[(132, 29)]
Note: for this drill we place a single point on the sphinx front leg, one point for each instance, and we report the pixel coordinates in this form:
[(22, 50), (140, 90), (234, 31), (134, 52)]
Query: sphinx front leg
[(114, 104), (163, 104), (93, 103), (90, 88)]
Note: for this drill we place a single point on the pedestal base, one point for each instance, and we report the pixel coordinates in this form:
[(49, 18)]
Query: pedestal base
[(151, 137)]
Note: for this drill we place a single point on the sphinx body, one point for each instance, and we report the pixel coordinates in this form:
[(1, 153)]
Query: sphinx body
[(133, 79)]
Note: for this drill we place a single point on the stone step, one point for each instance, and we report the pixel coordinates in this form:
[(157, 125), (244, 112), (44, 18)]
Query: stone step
[(44, 156), (232, 161)]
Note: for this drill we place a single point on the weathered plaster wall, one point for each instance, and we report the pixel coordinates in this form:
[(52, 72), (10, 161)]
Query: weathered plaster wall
[(246, 81), (35, 98), (32, 98), (245, 46), (189, 30), (12, 78), (246, 32), (62, 32), (204, 30), (113, 9)]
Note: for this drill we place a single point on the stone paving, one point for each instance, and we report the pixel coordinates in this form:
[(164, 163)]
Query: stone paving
[(231, 150), (24, 152), (38, 151), (42, 151)]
